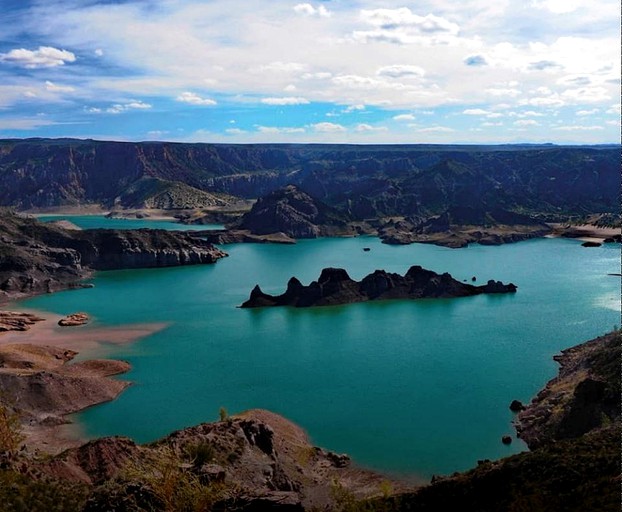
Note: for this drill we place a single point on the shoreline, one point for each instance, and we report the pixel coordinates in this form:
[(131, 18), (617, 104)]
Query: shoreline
[(79, 363), (152, 214), (583, 232)]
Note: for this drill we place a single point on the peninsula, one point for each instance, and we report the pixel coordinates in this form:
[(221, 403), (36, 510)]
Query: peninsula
[(335, 286), (41, 258)]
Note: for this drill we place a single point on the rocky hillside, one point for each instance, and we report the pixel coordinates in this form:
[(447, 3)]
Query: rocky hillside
[(290, 211), (585, 396), (366, 181), (156, 193), (40, 258)]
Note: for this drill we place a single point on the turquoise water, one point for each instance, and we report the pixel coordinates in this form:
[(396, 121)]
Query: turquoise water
[(100, 221), (408, 387)]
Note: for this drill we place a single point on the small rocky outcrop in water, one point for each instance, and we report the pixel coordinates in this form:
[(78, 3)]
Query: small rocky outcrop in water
[(74, 319), (335, 286)]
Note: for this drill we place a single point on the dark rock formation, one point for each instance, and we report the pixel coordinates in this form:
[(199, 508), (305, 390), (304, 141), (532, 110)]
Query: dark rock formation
[(291, 211), (39, 258), (506, 439), (516, 406), (335, 286), (585, 395), (591, 244)]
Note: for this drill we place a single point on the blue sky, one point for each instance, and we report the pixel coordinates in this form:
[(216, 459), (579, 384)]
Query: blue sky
[(360, 71)]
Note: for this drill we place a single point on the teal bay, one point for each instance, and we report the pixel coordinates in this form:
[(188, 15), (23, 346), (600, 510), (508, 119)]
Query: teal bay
[(408, 387)]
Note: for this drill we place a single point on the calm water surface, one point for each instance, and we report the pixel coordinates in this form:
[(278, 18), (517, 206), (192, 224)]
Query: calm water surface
[(101, 221), (410, 387)]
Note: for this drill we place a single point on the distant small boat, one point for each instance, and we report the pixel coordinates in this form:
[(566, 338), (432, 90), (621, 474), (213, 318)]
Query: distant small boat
[(366, 249)]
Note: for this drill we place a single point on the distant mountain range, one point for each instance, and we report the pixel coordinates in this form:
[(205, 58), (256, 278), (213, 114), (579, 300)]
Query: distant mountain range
[(363, 181)]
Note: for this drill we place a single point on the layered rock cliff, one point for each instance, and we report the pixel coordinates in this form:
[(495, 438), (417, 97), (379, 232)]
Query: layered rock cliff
[(366, 181), (335, 286), (39, 258)]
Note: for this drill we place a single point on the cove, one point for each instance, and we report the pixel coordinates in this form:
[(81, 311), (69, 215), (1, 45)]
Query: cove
[(407, 387), (101, 221)]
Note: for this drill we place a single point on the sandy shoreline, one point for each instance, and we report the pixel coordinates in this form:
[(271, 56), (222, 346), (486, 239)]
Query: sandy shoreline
[(147, 213), (583, 232), (87, 339), (86, 374)]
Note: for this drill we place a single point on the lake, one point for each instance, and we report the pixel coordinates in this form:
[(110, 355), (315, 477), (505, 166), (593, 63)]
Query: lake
[(101, 221), (407, 387)]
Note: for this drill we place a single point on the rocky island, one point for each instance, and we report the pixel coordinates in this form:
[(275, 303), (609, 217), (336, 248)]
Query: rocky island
[(335, 286)]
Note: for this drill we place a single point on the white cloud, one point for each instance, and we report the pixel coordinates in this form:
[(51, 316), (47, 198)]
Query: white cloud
[(587, 94), (615, 109), (287, 100), (475, 112), (575, 128), (195, 99), (283, 67), (401, 70), (364, 127), (52, 87), (44, 57), (557, 6), (279, 129), (591, 112), (309, 10), (503, 91), (353, 108), (404, 17), (320, 75), (401, 26), (235, 131), (481, 112), (404, 117), (526, 122), (328, 127), (99, 52), (436, 129), (118, 108)]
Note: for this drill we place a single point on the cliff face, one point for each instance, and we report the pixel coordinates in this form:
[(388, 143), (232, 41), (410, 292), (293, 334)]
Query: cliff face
[(335, 286), (366, 181), (39, 258), (583, 397)]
